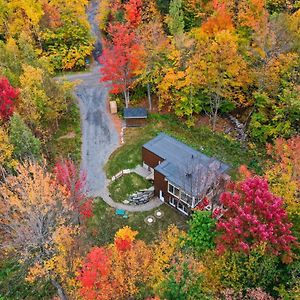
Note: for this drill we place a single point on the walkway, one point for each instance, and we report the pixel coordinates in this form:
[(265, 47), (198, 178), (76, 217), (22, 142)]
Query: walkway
[(154, 203)]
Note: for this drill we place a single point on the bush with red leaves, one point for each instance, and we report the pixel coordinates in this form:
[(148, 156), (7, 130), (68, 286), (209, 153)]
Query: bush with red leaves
[(67, 174), (7, 96)]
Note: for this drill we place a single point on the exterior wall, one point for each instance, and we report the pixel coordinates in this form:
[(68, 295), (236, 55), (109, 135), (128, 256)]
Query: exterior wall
[(150, 159), (136, 122), (160, 184)]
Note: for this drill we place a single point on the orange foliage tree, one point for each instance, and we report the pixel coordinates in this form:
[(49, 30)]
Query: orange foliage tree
[(283, 173), (116, 271), (36, 226)]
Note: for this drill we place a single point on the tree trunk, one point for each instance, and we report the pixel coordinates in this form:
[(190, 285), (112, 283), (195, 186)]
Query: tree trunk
[(149, 96), (61, 293), (236, 12), (126, 96), (215, 105)]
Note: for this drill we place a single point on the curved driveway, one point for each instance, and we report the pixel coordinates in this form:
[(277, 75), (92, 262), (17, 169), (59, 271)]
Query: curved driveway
[(99, 135)]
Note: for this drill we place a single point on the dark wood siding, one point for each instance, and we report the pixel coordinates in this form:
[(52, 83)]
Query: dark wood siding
[(160, 185), (136, 122), (151, 159)]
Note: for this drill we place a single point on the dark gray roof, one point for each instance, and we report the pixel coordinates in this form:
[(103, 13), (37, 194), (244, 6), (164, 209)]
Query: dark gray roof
[(135, 113), (183, 166)]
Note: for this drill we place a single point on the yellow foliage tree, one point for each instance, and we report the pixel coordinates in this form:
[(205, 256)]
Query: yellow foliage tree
[(6, 150), (163, 251), (33, 96), (104, 10), (126, 233), (283, 173), (218, 68)]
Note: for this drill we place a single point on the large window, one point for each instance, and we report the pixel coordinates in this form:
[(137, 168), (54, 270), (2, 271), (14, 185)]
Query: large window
[(173, 190), (186, 198), (173, 201), (182, 208)]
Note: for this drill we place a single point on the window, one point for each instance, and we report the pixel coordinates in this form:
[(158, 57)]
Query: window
[(173, 201), (186, 198), (173, 190), (181, 207)]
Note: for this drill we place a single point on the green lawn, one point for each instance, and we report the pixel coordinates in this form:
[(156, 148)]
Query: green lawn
[(14, 287), (126, 185), (104, 224), (201, 138), (66, 142)]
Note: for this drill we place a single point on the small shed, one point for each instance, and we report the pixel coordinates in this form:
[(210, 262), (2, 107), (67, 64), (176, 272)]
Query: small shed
[(135, 117), (113, 107)]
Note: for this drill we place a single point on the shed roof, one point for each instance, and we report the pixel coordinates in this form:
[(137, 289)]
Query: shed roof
[(135, 113), (183, 166)]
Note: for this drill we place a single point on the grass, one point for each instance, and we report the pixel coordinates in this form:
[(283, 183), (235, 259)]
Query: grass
[(201, 138), (14, 287), (126, 185), (63, 146), (104, 224)]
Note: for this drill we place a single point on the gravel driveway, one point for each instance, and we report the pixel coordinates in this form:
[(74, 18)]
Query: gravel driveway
[(99, 135)]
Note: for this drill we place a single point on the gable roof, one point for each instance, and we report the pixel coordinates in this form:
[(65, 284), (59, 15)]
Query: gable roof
[(135, 113), (183, 166)]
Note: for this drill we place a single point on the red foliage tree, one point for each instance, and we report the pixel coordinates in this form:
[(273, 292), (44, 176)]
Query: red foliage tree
[(94, 276), (68, 175), (253, 216), (116, 270), (121, 59), (133, 12), (7, 95)]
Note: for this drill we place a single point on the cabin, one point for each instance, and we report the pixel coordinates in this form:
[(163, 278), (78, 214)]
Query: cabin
[(183, 177), (135, 116)]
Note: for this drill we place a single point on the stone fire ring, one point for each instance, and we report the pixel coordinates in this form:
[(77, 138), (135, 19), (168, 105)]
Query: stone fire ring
[(158, 214), (149, 220)]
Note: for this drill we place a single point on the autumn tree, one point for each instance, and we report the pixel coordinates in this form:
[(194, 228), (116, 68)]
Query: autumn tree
[(116, 271), (25, 144), (7, 96), (121, 59), (163, 252), (183, 280), (283, 173), (240, 271), (175, 19), (156, 46), (68, 175), (219, 69), (254, 216), (6, 150), (42, 102), (36, 222), (133, 12)]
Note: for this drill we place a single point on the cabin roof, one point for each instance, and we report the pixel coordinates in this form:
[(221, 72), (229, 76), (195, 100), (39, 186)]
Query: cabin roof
[(135, 113), (183, 166)]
